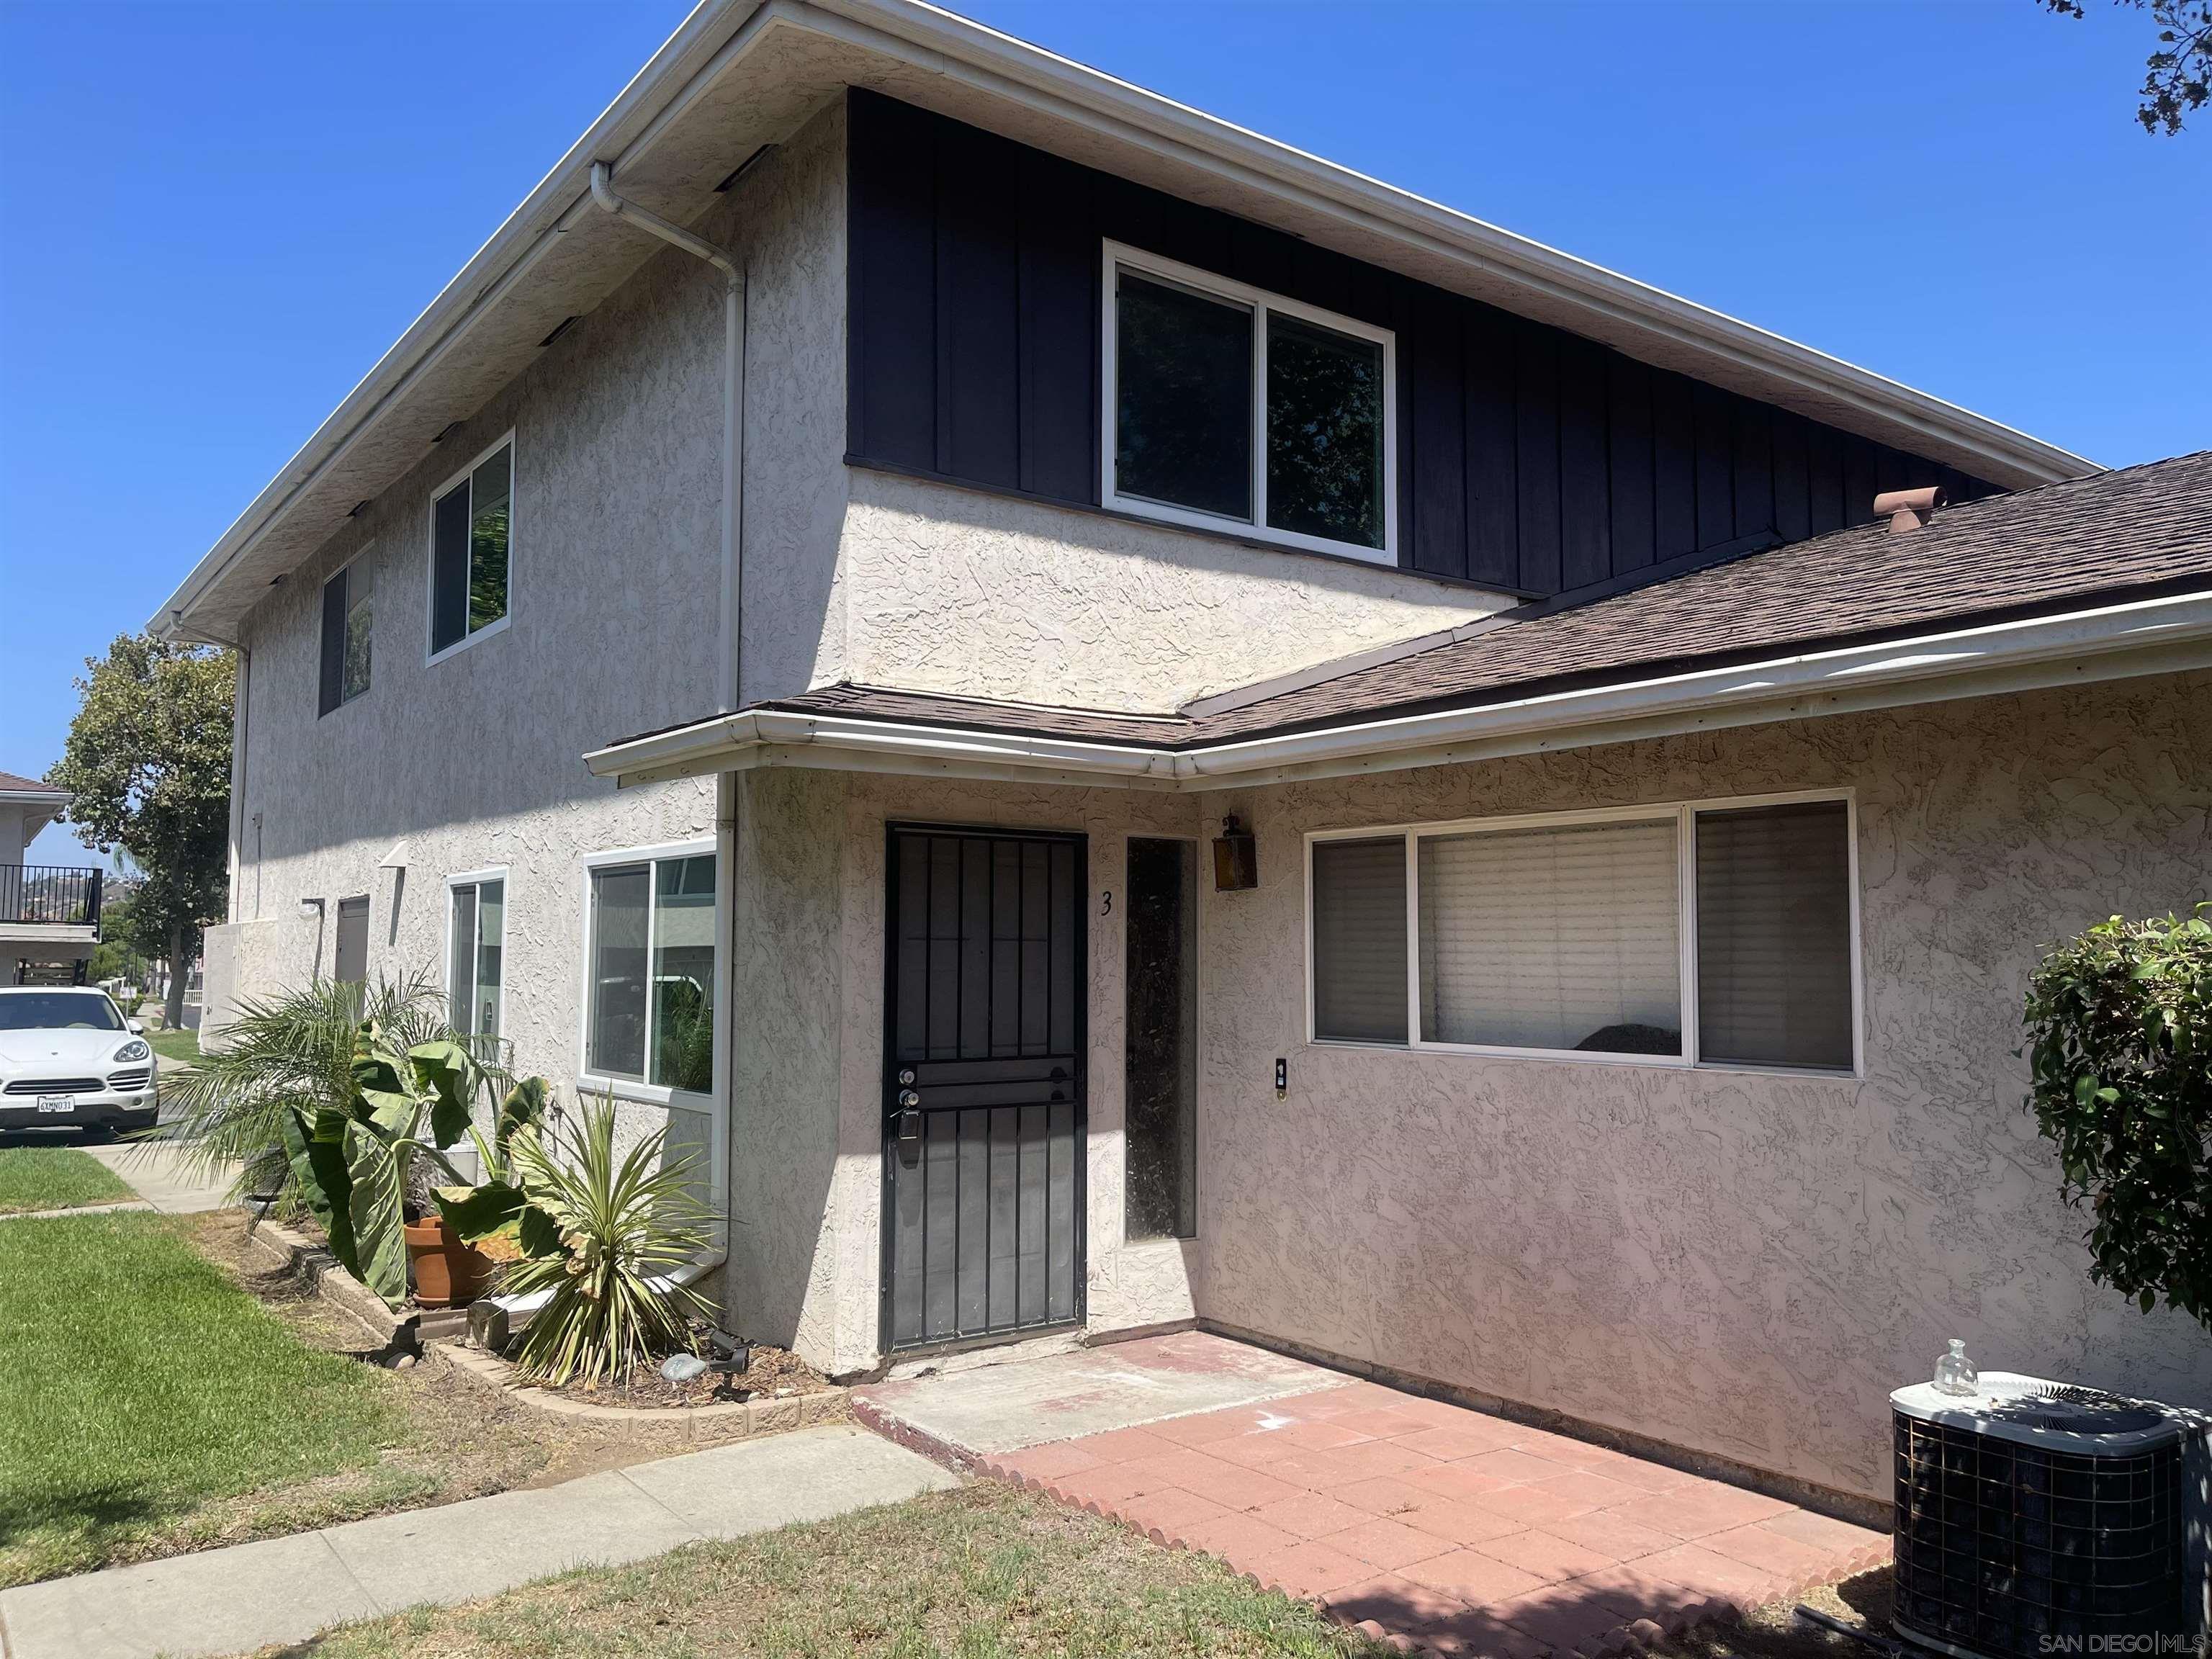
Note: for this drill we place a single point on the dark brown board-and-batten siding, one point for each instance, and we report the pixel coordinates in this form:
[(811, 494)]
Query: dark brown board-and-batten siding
[(1528, 458)]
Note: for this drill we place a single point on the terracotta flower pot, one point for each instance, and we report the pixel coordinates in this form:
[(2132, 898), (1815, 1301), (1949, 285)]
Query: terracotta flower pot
[(447, 1271)]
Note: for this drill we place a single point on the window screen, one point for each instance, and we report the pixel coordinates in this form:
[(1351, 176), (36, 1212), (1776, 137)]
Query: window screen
[(1774, 950), (1359, 940), (1324, 432), (683, 973), (1566, 938)]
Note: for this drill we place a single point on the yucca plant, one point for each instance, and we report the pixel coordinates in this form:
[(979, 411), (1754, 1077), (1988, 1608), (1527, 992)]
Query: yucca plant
[(618, 1227), (294, 1052)]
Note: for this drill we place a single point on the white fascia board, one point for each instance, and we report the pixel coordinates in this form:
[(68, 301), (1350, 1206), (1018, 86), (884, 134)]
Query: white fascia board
[(719, 36), (2150, 636)]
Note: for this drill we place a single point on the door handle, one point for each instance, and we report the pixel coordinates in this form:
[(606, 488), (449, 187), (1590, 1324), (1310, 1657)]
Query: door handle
[(908, 1098), (910, 1136)]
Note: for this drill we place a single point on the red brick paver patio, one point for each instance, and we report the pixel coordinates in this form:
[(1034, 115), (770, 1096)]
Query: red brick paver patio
[(1450, 1530)]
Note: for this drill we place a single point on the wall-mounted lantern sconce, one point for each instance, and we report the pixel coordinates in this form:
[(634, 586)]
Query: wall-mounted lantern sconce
[(1236, 858)]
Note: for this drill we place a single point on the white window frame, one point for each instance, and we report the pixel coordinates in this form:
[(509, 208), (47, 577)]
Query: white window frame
[(1683, 814), (1120, 256), (650, 1094), (497, 872), (360, 555), (431, 653)]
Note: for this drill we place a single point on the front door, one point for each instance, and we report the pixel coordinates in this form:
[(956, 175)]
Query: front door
[(983, 1085)]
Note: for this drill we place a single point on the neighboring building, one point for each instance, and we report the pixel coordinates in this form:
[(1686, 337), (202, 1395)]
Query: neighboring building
[(1650, 845), (49, 913)]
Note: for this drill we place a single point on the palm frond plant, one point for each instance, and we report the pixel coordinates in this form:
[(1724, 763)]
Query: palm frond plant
[(293, 1051), (603, 1233)]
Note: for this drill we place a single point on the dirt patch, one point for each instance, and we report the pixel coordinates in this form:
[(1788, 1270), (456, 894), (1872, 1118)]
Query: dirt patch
[(460, 1439), (1775, 1633), (773, 1373)]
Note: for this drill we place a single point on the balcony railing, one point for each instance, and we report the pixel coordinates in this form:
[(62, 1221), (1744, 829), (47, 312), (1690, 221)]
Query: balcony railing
[(49, 895)]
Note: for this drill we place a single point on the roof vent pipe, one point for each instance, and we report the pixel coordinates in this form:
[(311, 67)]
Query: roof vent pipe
[(727, 683), (1907, 509)]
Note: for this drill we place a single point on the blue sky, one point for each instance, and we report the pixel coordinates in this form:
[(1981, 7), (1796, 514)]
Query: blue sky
[(215, 218)]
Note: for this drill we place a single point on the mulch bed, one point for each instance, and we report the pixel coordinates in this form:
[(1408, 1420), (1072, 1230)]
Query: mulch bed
[(773, 1373)]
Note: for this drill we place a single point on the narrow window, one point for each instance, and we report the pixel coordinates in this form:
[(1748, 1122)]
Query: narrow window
[(474, 973), (650, 1018), (350, 956), (470, 548), (1324, 433), (348, 618), (1566, 938), (1774, 951), (683, 973), (1230, 406), (1160, 1052), (1359, 940)]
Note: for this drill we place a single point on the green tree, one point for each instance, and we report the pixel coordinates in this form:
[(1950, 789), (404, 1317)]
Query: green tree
[(148, 763), (2178, 75)]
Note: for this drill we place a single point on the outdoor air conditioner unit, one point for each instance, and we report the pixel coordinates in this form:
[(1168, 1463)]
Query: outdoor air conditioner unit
[(2035, 1519)]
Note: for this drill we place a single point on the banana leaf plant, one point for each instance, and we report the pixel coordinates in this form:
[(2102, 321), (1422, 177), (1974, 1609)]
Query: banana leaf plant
[(355, 1161), (497, 1209)]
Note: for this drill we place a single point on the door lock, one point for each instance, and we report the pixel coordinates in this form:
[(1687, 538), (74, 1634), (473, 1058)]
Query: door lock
[(908, 1098), (906, 1075)]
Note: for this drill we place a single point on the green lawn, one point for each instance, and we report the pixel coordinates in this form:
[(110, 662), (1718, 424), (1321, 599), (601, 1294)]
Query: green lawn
[(979, 1572), (182, 1045), (142, 1383), (55, 1178)]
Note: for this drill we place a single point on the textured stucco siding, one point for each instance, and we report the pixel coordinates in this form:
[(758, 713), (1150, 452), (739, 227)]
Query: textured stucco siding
[(991, 595), (806, 1122), (1739, 1263), (475, 761)]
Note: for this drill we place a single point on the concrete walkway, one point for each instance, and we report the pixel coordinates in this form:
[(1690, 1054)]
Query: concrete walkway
[(286, 1589), (1456, 1531), (163, 1180)]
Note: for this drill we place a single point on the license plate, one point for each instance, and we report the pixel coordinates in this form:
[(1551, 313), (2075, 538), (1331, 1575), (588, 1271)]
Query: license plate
[(57, 1103)]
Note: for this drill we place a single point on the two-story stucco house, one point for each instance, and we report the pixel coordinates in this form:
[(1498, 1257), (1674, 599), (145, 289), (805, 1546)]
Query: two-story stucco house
[(1124, 726)]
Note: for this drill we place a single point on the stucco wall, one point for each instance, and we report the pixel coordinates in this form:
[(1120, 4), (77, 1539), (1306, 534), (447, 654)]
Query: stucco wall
[(1739, 1263), (475, 761), (991, 595), (806, 1124)]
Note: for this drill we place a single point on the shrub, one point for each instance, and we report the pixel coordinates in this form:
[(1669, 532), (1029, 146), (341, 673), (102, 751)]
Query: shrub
[(2119, 1024), (619, 1227)]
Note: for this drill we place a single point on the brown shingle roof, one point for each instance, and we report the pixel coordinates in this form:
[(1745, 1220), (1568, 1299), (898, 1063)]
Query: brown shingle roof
[(2137, 528), (15, 785)]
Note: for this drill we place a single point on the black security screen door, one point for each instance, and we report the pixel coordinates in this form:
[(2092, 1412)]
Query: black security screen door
[(983, 1085)]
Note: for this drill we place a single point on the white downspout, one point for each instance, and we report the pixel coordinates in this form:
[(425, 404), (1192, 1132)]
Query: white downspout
[(728, 681), (493, 1320)]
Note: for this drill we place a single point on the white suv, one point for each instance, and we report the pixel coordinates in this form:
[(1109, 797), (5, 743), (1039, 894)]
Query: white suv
[(70, 1060)]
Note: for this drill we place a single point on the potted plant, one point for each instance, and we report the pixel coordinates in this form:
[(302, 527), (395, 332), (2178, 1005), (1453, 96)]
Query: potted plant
[(356, 1162)]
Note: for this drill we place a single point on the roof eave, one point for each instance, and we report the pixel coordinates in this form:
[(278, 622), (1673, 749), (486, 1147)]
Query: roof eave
[(918, 51), (2170, 634)]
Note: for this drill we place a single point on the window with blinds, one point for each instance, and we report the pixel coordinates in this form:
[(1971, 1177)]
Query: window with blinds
[(1569, 937), (1774, 919), (1553, 938), (1359, 940)]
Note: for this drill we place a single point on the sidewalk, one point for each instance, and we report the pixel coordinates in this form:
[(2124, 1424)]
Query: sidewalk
[(285, 1590), (160, 1175)]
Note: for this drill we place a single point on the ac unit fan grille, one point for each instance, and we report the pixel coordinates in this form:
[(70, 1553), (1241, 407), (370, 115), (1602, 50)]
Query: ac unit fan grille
[(2002, 1545)]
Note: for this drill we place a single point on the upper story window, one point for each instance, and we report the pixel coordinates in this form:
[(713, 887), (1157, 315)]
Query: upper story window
[(348, 620), (470, 529), (1228, 407), (1713, 934)]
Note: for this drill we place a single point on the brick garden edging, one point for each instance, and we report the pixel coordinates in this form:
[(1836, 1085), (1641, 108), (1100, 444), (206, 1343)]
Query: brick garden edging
[(723, 1421), (318, 1271)]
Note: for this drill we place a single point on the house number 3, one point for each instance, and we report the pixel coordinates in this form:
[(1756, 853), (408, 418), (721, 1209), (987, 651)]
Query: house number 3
[(1106, 907)]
